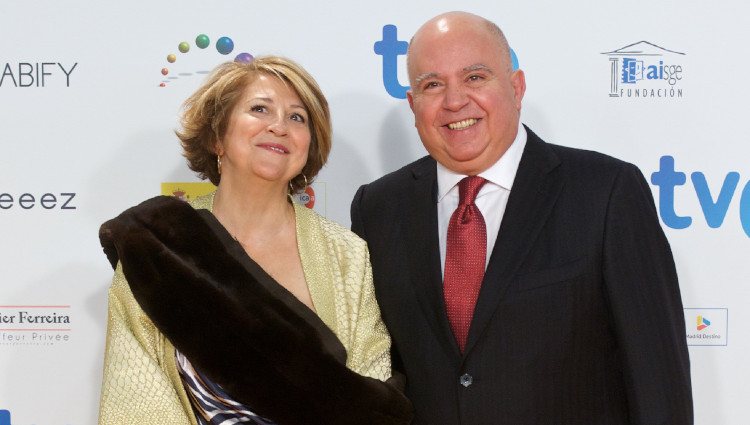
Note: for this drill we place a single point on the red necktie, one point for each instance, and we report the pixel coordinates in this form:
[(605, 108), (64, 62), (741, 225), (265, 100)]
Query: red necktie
[(465, 253)]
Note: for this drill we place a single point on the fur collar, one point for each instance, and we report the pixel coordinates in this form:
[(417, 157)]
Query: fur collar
[(236, 324)]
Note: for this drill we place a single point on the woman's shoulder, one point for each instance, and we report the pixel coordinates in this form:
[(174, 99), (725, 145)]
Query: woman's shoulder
[(332, 231), (203, 202)]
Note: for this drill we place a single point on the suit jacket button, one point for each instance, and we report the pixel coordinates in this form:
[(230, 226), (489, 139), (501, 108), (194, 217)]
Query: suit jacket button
[(465, 380)]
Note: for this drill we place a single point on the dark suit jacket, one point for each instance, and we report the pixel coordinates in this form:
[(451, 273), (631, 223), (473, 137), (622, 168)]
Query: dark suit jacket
[(579, 319)]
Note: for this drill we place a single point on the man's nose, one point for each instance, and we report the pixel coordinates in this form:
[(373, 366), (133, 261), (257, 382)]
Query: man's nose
[(455, 97)]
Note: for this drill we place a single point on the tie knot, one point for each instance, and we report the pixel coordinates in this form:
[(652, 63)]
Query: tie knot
[(468, 189)]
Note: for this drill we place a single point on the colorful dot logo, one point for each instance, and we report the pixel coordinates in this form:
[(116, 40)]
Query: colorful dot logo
[(224, 46), (202, 41)]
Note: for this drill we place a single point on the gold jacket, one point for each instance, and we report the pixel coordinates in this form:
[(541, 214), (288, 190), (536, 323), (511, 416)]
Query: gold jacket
[(141, 384)]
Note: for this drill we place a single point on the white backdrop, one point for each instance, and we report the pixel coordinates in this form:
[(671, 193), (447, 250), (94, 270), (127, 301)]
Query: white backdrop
[(85, 120)]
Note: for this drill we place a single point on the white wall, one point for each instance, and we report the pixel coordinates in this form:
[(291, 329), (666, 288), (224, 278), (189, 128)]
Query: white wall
[(104, 133)]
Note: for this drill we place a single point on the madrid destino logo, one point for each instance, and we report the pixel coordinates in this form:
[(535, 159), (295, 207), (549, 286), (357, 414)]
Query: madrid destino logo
[(645, 70), (710, 326), (702, 322)]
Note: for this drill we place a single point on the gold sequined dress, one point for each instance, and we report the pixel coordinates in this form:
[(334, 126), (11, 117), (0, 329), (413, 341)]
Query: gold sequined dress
[(141, 384)]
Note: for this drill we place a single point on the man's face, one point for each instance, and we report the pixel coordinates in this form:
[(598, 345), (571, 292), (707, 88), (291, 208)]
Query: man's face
[(465, 99)]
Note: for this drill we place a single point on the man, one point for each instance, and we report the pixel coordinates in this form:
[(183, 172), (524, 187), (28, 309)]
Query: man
[(558, 301)]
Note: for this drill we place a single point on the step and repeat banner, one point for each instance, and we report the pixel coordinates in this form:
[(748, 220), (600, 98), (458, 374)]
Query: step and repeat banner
[(90, 94)]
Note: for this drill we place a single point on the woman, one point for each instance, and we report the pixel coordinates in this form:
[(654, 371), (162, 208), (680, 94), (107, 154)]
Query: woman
[(245, 307)]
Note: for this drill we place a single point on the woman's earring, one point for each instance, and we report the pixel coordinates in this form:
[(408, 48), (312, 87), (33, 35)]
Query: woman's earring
[(291, 186), (218, 163)]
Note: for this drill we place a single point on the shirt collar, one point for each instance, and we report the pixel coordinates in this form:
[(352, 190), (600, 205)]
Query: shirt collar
[(501, 174)]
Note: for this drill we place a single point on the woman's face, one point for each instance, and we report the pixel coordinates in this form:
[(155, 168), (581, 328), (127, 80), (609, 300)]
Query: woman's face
[(268, 136)]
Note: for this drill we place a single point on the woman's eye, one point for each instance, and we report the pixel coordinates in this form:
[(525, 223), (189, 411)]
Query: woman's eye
[(298, 118), (258, 108)]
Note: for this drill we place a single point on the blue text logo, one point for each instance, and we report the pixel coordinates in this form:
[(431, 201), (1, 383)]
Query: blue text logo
[(390, 48), (714, 207), (645, 70), (4, 417), (634, 70)]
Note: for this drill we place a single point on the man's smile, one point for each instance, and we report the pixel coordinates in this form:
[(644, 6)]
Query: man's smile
[(463, 124)]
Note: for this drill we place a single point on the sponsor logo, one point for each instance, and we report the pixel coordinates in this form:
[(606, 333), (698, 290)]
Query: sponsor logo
[(187, 190), (306, 198), (390, 48), (5, 417), (37, 74), (710, 326), (46, 201), (180, 63), (645, 70), (702, 322), (313, 197), (714, 205), (40, 325)]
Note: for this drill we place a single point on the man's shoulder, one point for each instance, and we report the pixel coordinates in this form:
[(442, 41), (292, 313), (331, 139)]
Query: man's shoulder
[(577, 161), (403, 175), (385, 197), (578, 156), (589, 171)]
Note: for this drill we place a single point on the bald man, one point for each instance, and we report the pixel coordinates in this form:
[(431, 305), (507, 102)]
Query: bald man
[(522, 282)]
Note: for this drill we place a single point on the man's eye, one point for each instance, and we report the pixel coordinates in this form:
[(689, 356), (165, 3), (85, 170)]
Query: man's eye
[(430, 85), (475, 78)]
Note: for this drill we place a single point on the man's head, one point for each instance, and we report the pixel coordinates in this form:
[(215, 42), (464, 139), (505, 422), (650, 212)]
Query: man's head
[(464, 93)]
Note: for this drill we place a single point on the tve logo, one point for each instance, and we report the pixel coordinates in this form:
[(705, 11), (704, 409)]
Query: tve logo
[(390, 48), (714, 208)]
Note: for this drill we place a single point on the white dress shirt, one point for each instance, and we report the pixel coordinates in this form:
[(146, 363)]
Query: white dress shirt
[(491, 199)]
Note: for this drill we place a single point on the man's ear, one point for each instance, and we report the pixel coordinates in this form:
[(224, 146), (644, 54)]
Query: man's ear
[(518, 81)]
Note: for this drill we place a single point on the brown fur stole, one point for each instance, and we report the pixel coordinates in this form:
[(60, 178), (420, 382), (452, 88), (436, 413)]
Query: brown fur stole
[(238, 326)]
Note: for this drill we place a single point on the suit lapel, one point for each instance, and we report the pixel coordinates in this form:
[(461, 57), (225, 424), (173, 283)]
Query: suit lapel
[(535, 190), (423, 252)]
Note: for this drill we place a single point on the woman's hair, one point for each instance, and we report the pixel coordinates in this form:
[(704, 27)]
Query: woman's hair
[(207, 113)]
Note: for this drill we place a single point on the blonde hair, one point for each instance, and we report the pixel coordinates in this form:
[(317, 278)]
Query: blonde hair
[(206, 114)]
